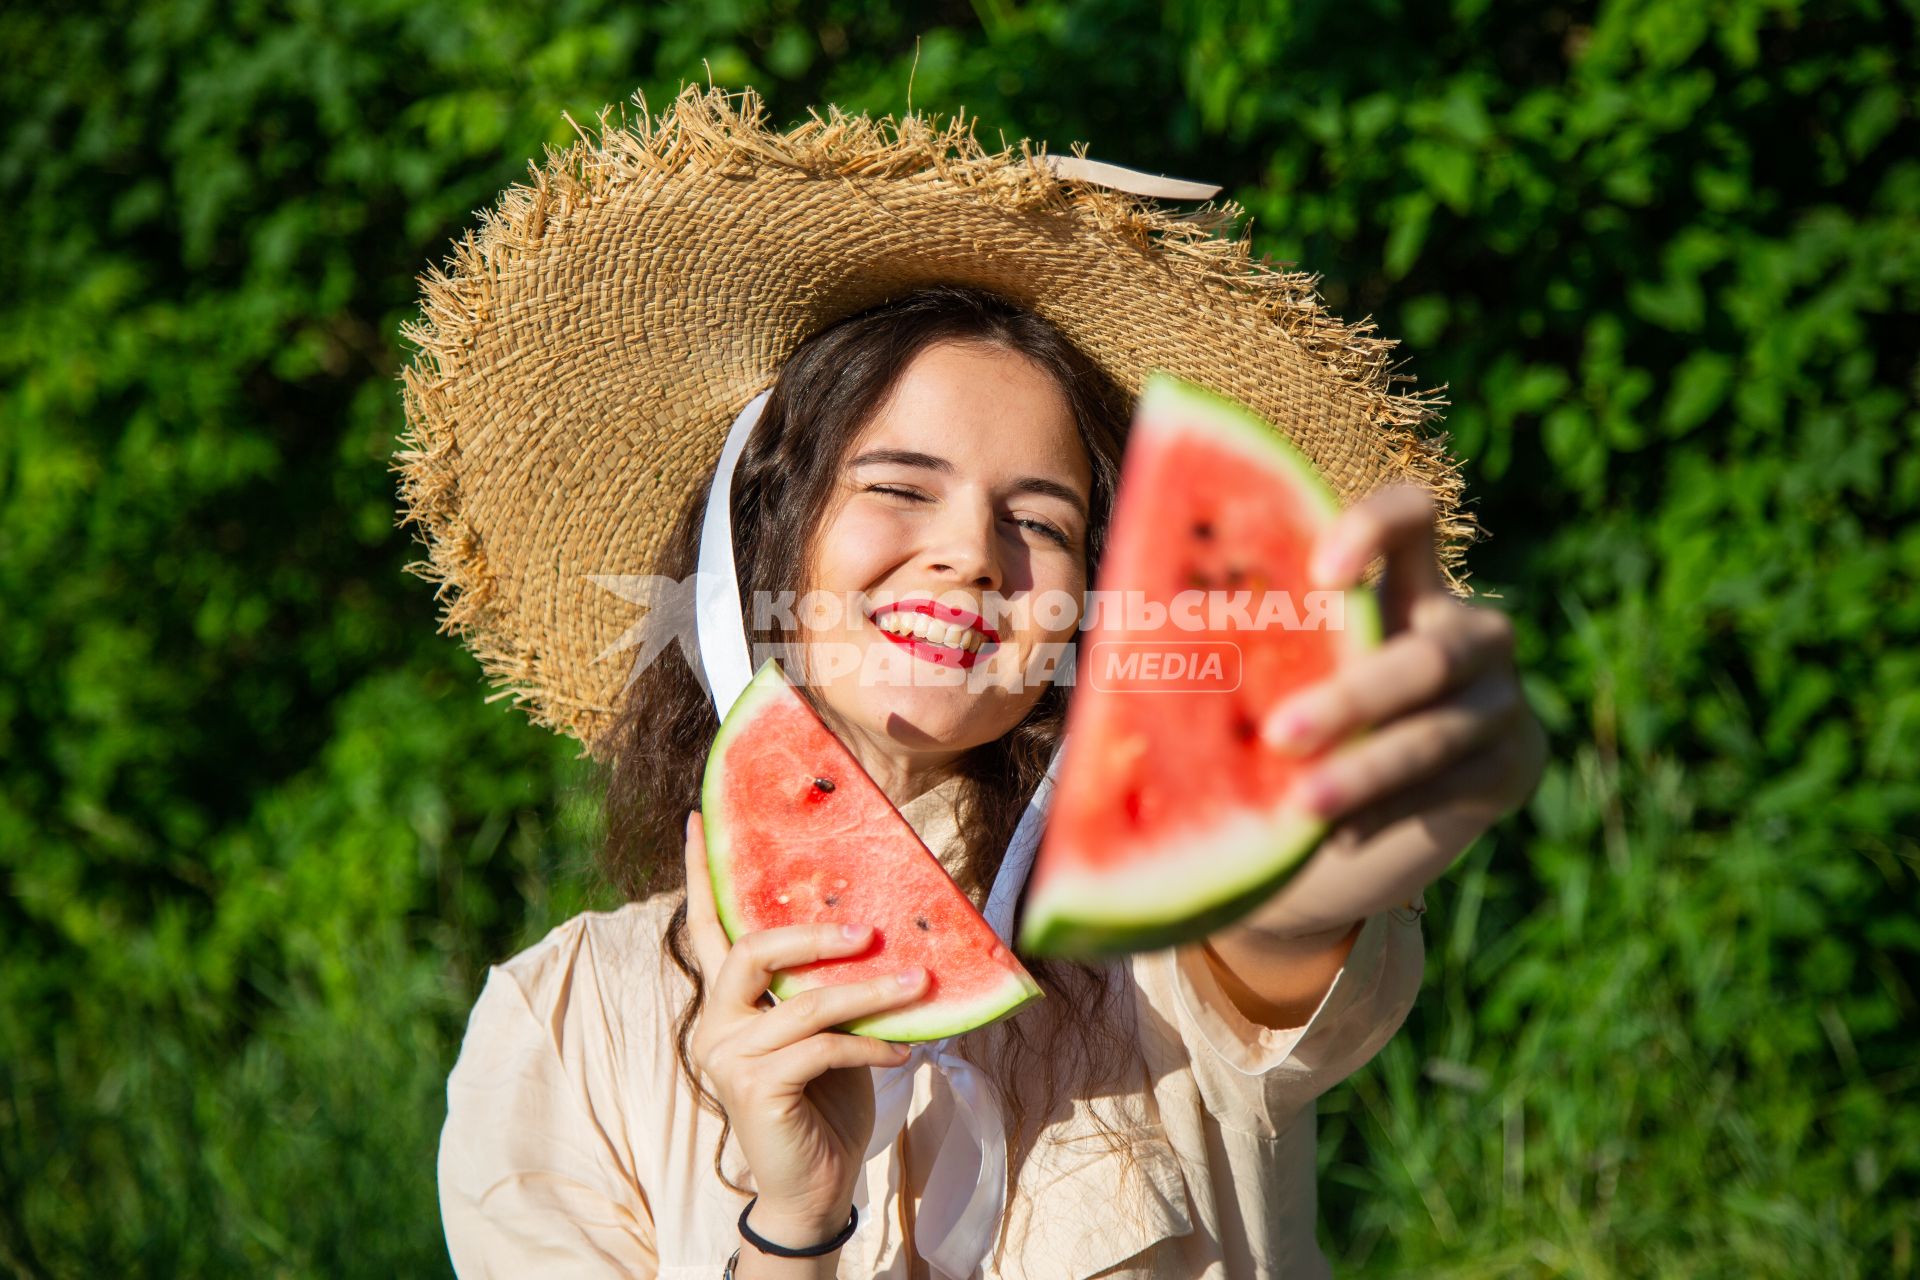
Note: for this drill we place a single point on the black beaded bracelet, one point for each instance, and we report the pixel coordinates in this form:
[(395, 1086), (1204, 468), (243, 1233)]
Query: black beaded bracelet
[(766, 1246)]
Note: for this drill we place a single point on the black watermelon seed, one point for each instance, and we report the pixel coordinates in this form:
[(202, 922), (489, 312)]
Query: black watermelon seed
[(823, 784), (921, 922), (1202, 529), (833, 899)]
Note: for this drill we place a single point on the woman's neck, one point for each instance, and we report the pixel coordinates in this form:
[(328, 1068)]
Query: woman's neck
[(901, 773)]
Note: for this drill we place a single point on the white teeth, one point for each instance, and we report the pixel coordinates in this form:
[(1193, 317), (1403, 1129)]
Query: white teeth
[(921, 627)]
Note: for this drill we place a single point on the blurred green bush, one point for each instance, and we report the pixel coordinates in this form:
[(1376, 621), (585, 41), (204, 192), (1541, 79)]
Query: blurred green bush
[(260, 834)]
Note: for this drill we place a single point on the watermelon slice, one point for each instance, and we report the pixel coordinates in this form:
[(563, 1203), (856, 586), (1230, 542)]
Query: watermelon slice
[(1172, 817), (797, 833)]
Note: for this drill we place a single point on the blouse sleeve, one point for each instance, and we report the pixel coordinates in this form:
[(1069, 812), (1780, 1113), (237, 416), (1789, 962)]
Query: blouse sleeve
[(1255, 1079), (530, 1182)]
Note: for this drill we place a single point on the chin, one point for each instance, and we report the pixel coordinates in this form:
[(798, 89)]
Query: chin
[(925, 719), (897, 698)]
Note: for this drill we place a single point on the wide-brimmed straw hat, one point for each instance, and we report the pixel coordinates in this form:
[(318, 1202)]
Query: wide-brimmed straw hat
[(582, 353)]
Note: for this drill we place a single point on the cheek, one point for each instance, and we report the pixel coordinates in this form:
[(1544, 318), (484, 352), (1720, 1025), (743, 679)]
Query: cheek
[(1059, 588), (856, 548)]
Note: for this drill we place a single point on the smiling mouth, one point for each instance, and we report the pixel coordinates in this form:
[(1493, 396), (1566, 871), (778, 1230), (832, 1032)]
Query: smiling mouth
[(943, 636)]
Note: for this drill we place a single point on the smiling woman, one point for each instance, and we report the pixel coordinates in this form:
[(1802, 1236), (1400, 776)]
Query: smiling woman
[(952, 453), (628, 1100)]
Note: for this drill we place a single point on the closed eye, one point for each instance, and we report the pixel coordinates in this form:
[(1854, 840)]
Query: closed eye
[(1045, 530), (1051, 532)]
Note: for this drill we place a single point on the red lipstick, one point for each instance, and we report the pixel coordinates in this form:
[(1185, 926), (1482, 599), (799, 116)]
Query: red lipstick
[(938, 654)]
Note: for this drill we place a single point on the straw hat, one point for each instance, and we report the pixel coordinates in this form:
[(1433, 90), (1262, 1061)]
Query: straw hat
[(582, 353)]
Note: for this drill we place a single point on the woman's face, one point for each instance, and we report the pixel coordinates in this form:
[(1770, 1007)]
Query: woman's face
[(970, 491)]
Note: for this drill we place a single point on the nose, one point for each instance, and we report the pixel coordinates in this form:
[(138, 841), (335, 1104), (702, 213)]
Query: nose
[(963, 547)]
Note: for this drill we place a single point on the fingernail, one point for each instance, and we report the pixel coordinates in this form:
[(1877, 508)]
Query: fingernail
[(1322, 793), (1289, 727), (910, 977), (1328, 567), (854, 932)]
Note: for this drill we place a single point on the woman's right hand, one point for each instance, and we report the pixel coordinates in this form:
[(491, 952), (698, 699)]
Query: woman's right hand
[(796, 1092)]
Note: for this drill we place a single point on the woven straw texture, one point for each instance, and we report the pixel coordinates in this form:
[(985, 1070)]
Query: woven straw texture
[(581, 354)]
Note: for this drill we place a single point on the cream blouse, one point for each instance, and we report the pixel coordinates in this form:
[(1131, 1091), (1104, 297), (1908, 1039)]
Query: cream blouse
[(573, 1146)]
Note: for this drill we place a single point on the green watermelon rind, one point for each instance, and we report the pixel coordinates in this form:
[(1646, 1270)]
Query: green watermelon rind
[(1225, 421), (1055, 927), (1185, 902), (913, 1023)]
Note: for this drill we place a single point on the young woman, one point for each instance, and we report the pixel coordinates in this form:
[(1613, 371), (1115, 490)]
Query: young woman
[(627, 1087)]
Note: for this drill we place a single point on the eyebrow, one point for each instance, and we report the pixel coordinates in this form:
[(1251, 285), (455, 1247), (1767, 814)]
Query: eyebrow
[(929, 462)]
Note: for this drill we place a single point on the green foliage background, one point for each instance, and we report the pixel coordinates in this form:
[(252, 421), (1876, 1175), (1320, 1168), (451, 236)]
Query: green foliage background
[(260, 835)]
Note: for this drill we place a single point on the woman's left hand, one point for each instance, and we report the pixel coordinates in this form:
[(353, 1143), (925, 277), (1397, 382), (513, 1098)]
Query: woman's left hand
[(1450, 745)]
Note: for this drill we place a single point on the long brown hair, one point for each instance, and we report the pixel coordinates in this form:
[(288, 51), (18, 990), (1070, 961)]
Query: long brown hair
[(825, 394)]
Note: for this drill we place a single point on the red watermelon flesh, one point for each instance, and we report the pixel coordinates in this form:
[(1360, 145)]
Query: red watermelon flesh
[(1171, 817), (797, 833)]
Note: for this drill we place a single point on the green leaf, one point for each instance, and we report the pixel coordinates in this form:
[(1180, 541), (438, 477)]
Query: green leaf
[(1448, 170), (1872, 118), (1407, 234), (1700, 387)]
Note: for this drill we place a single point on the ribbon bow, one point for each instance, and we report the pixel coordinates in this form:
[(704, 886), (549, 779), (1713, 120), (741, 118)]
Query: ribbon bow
[(966, 1189)]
